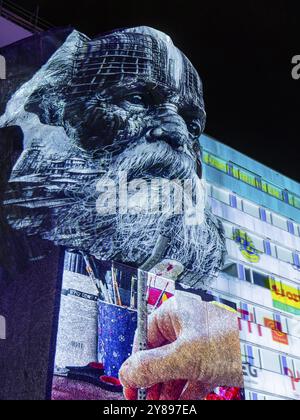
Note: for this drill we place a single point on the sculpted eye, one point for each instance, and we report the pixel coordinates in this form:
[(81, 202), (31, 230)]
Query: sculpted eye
[(136, 99), (194, 128)]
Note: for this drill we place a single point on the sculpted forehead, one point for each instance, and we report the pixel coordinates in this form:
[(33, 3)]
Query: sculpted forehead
[(140, 55)]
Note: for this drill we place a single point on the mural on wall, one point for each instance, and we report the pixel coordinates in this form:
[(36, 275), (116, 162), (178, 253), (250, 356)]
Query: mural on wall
[(110, 169)]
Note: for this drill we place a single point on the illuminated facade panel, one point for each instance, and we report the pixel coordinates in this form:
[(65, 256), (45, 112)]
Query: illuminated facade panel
[(260, 211)]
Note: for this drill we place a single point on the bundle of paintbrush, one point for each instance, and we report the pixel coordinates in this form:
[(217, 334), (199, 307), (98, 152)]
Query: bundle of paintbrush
[(116, 285)]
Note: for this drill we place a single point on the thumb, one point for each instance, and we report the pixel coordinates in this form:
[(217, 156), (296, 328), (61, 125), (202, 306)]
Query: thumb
[(146, 368)]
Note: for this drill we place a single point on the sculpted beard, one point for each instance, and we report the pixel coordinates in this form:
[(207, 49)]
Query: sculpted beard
[(132, 235)]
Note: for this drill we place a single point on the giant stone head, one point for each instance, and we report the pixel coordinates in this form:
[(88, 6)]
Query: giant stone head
[(121, 112)]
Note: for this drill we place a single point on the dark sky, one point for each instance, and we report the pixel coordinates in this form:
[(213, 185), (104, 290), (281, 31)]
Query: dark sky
[(243, 52)]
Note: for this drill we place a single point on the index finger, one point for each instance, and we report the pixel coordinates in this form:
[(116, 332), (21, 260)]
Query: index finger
[(160, 327)]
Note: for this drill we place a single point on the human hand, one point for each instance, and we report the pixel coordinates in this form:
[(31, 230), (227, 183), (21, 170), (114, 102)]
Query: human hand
[(194, 347)]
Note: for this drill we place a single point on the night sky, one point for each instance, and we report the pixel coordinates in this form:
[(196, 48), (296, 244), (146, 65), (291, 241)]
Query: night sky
[(243, 54)]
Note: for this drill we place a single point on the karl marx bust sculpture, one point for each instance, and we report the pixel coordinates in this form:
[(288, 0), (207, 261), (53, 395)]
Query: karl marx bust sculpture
[(127, 103)]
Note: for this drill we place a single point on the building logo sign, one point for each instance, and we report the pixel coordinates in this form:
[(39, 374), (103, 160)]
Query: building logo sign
[(247, 246), (277, 335), (285, 298), (251, 373)]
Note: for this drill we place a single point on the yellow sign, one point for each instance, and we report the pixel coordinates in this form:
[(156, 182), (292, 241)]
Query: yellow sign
[(285, 298)]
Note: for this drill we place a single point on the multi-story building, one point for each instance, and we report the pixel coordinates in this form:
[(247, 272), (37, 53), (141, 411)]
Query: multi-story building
[(260, 211)]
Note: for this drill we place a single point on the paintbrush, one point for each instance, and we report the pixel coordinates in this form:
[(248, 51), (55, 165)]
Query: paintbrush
[(117, 296), (160, 297)]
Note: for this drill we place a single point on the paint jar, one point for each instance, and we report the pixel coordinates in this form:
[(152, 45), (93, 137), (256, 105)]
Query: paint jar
[(116, 330)]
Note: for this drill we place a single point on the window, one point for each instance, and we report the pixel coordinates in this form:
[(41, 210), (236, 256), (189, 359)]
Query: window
[(248, 177), (270, 361), (215, 162), (248, 275), (251, 209), (297, 202), (221, 195), (231, 270), (251, 179), (279, 222), (285, 255), (274, 191), (261, 279)]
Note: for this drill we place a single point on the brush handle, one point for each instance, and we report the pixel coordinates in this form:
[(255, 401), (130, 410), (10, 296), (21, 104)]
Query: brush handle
[(142, 331)]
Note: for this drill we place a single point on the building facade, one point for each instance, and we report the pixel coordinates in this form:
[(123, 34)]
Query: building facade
[(260, 211)]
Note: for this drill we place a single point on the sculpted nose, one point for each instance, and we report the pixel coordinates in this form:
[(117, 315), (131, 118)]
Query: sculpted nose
[(169, 127)]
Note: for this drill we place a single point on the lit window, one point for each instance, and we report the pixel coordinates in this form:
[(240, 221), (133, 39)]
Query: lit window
[(274, 191), (248, 177), (215, 162)]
